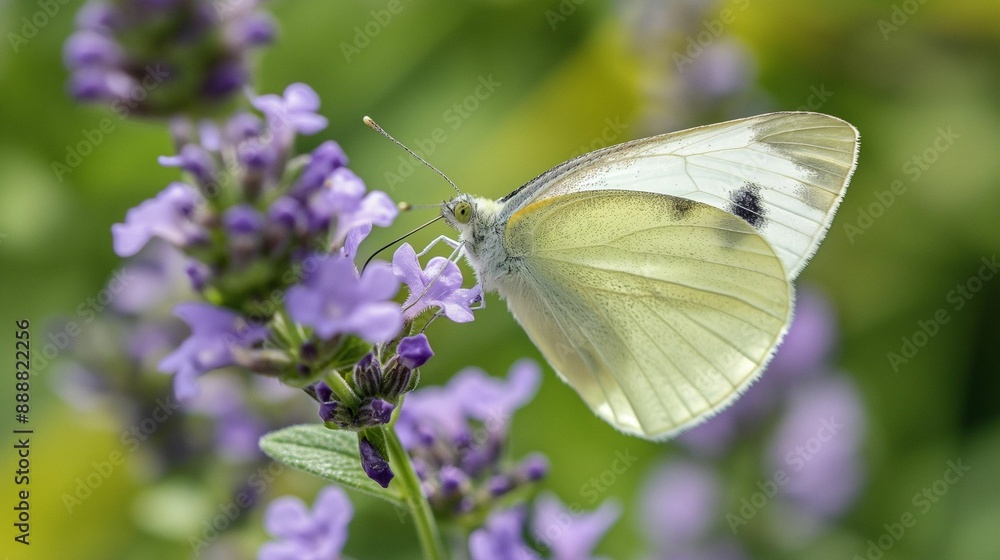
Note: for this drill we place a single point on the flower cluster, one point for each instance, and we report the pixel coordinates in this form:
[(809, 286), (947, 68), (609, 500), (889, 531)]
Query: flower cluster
[(563, 533), (165, 57), (271, 238), (811, 471), (456, 435)]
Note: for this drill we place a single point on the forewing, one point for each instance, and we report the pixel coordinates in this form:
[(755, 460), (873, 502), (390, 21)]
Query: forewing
[(782, 173), (658, 310)]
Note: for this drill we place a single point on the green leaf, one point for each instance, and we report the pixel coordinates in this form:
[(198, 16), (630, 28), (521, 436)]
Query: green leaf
[(330, 454)]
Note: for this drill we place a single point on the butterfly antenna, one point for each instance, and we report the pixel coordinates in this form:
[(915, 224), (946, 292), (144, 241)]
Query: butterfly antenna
[(391, 243), (374, 126)]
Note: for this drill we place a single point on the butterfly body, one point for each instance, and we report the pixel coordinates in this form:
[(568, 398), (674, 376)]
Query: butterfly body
[(655, 276)]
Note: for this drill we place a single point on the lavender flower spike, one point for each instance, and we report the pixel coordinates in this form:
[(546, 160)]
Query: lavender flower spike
[(169, 216), (439, 285), (214, 332), (305, 535), (334, 300)]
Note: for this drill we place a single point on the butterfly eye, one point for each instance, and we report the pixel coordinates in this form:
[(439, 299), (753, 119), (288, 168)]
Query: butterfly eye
[(463, 212)]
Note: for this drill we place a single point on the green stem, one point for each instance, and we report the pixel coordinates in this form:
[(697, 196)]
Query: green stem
[(341, 389), (423, 518)]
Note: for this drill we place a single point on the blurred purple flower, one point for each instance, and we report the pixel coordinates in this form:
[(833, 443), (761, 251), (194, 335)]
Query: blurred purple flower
[(161, 58), (679, 504), (237, 428), (154, 276), (193, 159), (214, 332), (818, 444), (304, 535), (809, 342), (439, 285), (570, 535), (725, 68), (333, 299), (293, 111), (502, 538), (169, 216), (242, 219)]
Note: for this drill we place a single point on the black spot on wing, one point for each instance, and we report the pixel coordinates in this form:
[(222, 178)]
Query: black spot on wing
[(679, 207), (747, 204)]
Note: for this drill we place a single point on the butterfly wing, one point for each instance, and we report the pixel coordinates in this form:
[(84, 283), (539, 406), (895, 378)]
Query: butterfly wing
[(658, 310), (782, 173)]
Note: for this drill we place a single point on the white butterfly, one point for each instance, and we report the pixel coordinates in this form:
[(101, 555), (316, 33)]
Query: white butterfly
[(655, 275)]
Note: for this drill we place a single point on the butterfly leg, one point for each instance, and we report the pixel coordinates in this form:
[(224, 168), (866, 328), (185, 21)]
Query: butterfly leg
[(440, 239)]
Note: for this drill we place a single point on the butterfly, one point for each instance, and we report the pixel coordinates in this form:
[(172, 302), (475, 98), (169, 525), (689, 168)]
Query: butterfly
[(655, 276)]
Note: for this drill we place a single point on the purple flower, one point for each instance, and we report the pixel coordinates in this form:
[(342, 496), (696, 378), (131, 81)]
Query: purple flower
[(193, 159), (462, 428), (333, 299), (214, 333), (88, 47), (295, 109), (680, 504), (571, 535), (818, 444), (470, 395), (237, 428), (169, 216), (375, 466), (343, 204), (304, 535), (414, 351), (439, 285), (161, 58), (327, 157), (242, 219), (502, 538), (155, 275)]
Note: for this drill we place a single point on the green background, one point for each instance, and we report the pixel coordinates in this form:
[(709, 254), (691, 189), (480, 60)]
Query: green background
[(558, 90)]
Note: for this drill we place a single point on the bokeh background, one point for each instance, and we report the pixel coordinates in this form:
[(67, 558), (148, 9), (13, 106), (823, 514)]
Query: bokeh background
[(917, 78)]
